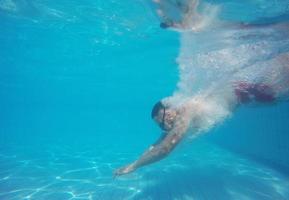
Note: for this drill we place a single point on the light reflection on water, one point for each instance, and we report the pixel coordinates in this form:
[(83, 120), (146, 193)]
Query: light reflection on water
[(203, 171)]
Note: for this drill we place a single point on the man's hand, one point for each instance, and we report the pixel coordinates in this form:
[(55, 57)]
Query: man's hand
[(124, 170)]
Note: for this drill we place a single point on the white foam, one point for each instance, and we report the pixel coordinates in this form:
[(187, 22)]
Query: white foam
[(211, 62)]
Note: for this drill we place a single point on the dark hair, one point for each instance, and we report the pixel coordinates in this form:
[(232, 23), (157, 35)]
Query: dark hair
[(157, 107), (164, 25)]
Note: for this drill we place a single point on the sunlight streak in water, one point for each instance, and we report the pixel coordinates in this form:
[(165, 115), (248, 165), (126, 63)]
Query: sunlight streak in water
[(203, 167)]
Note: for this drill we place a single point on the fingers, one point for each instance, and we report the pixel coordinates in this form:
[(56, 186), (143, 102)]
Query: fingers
[(118, 172), (115, 174)]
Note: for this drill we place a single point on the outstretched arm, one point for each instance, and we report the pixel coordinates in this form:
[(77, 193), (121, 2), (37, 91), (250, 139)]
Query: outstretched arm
[(155, 153)]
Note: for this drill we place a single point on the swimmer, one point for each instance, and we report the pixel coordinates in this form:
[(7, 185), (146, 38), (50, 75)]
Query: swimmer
[(199, 113), (195, 115)]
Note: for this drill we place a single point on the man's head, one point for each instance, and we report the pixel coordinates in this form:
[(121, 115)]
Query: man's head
[(164, 116)]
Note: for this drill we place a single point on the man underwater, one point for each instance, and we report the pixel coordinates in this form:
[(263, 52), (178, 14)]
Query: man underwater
[(177, 115)]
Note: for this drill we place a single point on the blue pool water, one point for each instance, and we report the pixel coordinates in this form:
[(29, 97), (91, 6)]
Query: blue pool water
[(78, 80)]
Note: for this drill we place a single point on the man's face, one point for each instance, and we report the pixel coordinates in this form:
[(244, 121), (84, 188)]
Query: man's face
[(166, 118)]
